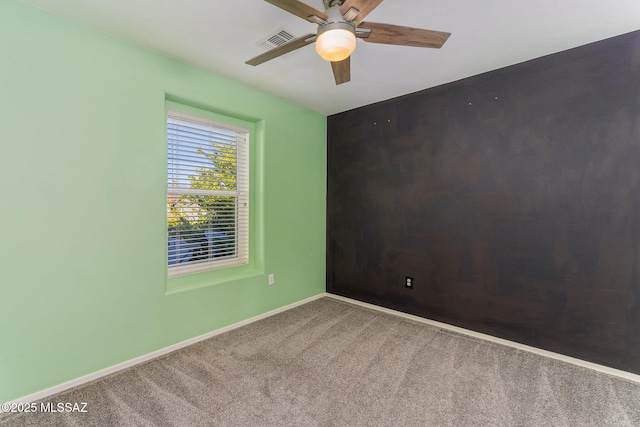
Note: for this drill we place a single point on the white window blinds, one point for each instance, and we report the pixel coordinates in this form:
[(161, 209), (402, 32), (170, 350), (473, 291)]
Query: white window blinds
[(208, 194)]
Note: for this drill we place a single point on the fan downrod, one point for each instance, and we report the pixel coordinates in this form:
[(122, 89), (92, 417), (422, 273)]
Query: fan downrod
[(328, 4)]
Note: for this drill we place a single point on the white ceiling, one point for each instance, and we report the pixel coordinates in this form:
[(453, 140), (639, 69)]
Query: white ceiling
[(221, 35)]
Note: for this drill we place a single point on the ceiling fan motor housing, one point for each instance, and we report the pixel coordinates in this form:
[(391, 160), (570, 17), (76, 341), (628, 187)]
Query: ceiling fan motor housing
[(335, 20)]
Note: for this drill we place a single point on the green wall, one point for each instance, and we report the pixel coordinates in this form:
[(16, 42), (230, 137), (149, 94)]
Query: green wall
[(83, 250)]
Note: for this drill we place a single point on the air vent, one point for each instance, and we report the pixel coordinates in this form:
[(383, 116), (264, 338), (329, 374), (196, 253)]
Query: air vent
[(278, 38)]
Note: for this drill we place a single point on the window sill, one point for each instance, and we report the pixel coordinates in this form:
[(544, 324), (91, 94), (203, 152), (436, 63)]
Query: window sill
[(175, 285)]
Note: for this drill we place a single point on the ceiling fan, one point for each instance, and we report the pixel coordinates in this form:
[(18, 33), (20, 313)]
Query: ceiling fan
[(338, 28)]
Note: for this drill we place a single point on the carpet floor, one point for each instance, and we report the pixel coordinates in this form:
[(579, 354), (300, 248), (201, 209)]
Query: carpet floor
[(331, 363)]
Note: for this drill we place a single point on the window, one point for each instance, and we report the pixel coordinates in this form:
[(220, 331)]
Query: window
[(208, 194)]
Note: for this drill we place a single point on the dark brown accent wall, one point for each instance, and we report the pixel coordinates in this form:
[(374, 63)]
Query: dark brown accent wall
[(512, 198)]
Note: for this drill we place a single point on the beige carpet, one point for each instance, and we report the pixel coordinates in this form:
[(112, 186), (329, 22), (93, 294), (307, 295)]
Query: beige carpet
[(330, 363)]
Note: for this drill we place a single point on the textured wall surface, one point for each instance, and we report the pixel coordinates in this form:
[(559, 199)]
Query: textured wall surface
[(511, 197)]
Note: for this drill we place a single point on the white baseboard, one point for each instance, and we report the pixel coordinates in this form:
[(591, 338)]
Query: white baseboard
[(144, 358), (545, 353), (136, 361)]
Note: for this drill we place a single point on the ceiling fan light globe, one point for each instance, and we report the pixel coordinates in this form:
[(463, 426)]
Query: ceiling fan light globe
[(336, 45)]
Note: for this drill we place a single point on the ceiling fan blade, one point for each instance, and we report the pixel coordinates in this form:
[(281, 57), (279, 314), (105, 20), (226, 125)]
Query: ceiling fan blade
[(403, 36), (342, 70), (364, 7), (300, 9), (282, 50)]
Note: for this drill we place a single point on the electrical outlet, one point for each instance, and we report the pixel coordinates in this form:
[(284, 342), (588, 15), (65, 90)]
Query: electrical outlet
[(408, 282), (272, 279)]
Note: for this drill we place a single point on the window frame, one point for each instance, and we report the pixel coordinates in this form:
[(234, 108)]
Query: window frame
[(244, 239)]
